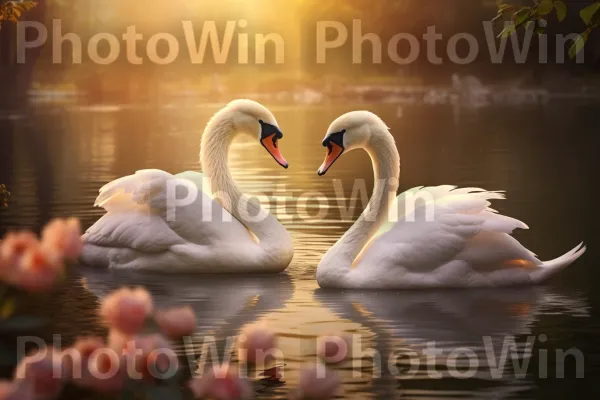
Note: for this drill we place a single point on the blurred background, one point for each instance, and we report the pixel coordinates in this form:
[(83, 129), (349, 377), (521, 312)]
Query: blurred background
[(528, 128), (299, 78)]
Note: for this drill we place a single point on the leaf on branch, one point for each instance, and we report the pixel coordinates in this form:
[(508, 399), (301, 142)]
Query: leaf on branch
[(545, 7), (23, 5), (561, 10), (521, 16), (540, 30), (588, 13), (4, 193), (579, 43), (531, 24), (13, 10), (508, 30)]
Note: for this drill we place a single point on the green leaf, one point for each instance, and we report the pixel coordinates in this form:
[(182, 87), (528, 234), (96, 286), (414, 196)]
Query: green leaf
[(578, 44), (521, 16), (588, 13), (504, 7), (531, 24), (507, 31), (561, 10), (545, 7), (540, 30)]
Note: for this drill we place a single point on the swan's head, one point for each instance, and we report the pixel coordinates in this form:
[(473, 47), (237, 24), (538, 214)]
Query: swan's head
[(351, 131), (255, 119)]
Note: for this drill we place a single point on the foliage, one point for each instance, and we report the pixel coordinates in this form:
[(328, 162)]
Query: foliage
[(4, 195), (13, 10), (591, 18), (534, 17), (529, 15)]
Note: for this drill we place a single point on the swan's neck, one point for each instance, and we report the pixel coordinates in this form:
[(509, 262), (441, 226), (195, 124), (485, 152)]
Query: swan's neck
[(214, 154), (386, 165)]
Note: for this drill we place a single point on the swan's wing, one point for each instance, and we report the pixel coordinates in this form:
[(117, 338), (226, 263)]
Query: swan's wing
[(149, 211), (151, 190), (134, 192), (438, 225)]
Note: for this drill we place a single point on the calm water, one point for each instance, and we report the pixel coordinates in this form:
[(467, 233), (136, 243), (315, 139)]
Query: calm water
[(54, 161)]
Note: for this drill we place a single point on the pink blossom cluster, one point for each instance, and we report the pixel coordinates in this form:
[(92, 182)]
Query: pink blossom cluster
[(106, 365), (35, 265)]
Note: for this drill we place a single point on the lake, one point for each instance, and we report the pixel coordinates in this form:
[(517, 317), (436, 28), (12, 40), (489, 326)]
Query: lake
[(55, 159)]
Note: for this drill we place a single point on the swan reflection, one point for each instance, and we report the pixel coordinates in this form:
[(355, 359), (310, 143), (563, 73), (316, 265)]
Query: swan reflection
[(223, 303), (408, 322)]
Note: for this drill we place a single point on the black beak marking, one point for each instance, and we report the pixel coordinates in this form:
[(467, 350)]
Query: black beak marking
[(337, 138), (270, 130)]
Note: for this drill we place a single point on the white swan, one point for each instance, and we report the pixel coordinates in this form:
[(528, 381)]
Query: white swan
[(442, 237), (230, 233)]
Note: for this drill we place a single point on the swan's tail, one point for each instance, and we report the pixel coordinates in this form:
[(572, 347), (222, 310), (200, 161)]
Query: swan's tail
[(549, 268)]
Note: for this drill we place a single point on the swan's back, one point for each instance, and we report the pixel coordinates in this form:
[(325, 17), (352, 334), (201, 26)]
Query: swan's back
[(449, 237)]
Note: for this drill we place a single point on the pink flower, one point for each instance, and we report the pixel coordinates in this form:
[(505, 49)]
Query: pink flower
[(38, 270), (118, 340), (333, 349), (127, 309), (177, 322), (95, 366), (15, 391), (12, 248), (317, 383), (76, 358), (45, 373), (107, 371), (15, 244), (5, 267), (152, 358), (221, 383), (257, 345), (63, 236), (26, 264)]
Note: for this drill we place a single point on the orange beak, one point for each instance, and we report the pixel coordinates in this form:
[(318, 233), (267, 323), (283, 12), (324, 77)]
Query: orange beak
[(333, 153), (270, 143)]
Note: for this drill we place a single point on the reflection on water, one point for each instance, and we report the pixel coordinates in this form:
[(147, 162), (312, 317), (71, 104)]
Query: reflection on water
[(55, 161), (478, 323), (225, 303)]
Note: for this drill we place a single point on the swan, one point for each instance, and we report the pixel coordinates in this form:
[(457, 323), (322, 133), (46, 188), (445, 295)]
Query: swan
[(221, 231), (435, 237)]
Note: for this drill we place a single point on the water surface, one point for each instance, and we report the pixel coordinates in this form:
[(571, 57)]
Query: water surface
[(55, 159)]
